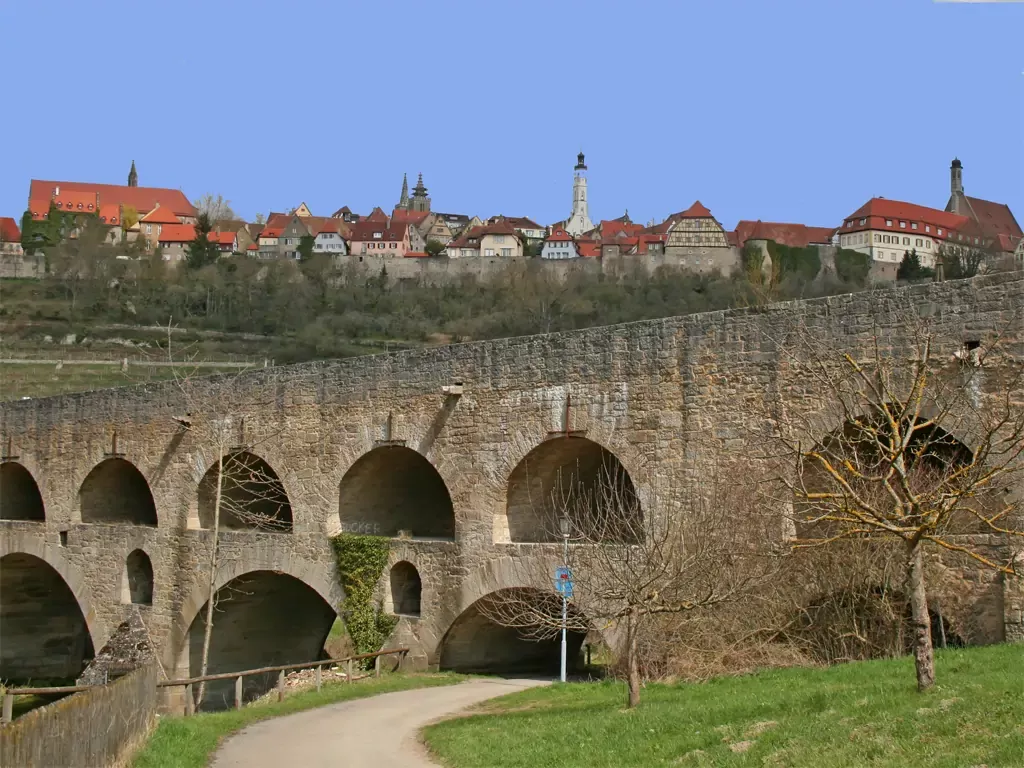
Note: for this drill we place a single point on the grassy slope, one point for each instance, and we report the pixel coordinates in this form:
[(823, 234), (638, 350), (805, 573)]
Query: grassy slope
[(865, 714), (31, 380), (189, 742)]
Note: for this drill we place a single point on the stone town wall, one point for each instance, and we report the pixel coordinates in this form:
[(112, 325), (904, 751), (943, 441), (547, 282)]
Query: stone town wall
[(642, 390)]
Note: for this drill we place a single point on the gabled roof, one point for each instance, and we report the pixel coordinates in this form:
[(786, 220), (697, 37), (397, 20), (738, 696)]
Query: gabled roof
[(696, 211), (221, 238), (269, 231), (252, 247), (110, 213), (364, 230), (519, 222), (230, 225), (883, 208), (793, 235), (613, 227), (178, 233), (409, 217), (9, 232), (143, 199), (416, 255), (559, 235), (341, 211), (377, 215), (160, 215), (498, 228), (588, 248), (329, 225), (994, 218)]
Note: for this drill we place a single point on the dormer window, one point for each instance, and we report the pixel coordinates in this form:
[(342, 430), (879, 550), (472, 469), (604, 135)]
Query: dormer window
[(888, 222), (903, 225), (939, 232), (79, 206), (377, 235), (862, 221), (913, 225)]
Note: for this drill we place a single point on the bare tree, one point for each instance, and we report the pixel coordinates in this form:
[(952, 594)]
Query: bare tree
[(216, 207), (892, 469), (698, 544)]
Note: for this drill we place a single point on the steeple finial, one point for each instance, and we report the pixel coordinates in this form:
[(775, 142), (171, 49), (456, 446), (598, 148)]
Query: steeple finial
[(133, 176), (403, 201)]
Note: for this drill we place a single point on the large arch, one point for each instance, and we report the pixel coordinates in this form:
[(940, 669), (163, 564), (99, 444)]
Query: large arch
[(261, 618), (19, 494), (576, 477), (252, 495), (477, 643), (115, 491), (393, 488), (43, 632)]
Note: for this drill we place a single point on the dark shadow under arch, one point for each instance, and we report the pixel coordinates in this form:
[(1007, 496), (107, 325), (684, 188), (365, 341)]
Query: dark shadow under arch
[(260, 619), (19, 494), (475, 643), (138, 579), (573, 476), (406, 589), (392, 489), (115, 491), (43, 634), (252, 496)]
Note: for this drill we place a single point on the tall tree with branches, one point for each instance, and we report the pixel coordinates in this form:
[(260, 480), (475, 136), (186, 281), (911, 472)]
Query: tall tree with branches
[(892, 469)]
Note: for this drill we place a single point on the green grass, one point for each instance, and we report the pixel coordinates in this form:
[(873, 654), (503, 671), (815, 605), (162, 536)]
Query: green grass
[(863, 714), (189, 742), (32, 380)]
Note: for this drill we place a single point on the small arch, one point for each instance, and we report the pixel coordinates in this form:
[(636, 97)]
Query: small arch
[(115, 491), (391, 489), (576, 477), (137, 586), (252, 495), (406, 589), (43, 632), (19, 494)]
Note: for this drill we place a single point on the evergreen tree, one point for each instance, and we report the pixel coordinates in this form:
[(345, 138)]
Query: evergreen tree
[(910, 267), (201, 251)]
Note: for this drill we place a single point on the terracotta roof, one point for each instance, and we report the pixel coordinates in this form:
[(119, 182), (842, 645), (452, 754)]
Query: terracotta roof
[(110, 213), (502, 227), (160, 215), (616, 226), (269, 231), (409, 217), (221, 238), (9, 232), (328, 225), (178, 233), (229, 225), (519, 222), (696, 211), (344, 209), (252, 247), (416, 255), (143, 199), (995, 218), (879, 210), (793, 235), (559, 235), (588, 248), (363, 231), (278, 220), (644, 241), (377, 215)]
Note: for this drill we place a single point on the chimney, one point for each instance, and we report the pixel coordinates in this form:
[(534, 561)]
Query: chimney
[(56, 191)]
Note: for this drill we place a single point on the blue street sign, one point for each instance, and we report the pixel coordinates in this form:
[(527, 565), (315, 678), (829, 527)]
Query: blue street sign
[(563, 581)]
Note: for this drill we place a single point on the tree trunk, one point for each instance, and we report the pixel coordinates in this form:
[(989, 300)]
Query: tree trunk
[(632, 657), (212, 590), (924, 656)]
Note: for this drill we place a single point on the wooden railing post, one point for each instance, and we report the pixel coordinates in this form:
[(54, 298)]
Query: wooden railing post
[(8, 707), (238, 692), (190, 703), (376, 666), (319, 676), (280, 685), (348, 670)]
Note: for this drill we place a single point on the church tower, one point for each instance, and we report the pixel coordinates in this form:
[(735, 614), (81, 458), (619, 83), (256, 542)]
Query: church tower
[(403, 201), (957, 200), (133, 176), (579, 222), (419, 202)]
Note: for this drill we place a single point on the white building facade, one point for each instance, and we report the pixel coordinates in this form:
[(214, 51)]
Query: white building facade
[(579, 222)]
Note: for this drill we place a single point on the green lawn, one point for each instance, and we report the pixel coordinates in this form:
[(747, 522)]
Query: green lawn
[(863, 714), (188, 742), (32, 380)]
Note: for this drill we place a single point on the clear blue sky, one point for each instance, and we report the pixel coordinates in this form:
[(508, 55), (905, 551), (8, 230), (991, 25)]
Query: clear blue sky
[(781, 110)]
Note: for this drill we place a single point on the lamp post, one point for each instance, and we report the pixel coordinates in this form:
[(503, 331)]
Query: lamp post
[(563, 524)]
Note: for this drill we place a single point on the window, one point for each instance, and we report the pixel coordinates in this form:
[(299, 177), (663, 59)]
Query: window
[(149, 229), (888, 222), (488, 252), (394, 245), (940, 230), (903, 225), (862, 221), (377, 235), (913, 225), (499, 238), (918, 242), (906, 241), (878, 238), (370, 245), (506, 252), (928, 245)]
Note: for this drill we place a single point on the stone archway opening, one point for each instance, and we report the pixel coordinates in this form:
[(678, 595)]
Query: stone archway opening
[(252, 496), (138, 579), (43, 634), (19, 494), (478, 643), (260, 619), (576, 478), (394, 489), (115, 491), (406, 589)]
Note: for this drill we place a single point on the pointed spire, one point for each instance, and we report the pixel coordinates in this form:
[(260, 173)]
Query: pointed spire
[(403, 201), (133, 176)]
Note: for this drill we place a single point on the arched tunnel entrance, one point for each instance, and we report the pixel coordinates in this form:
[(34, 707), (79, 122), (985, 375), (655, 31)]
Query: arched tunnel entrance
[(116, 492), (260, 619), (43, 634), (480, 640), (393, 488), (19, 494), (252, 496)]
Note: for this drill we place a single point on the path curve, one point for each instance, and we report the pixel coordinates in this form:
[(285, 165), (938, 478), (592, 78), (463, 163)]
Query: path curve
[(375, 732)]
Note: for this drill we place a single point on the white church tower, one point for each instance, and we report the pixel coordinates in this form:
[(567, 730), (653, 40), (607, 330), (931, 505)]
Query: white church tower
[(579, 222)]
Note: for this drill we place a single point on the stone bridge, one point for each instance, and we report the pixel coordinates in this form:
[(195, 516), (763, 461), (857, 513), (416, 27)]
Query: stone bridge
[(104, 518)]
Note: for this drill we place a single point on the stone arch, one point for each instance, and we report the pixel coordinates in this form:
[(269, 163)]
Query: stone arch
[(20, 498), (252, 495), (475, 642), (137, 580), (393, 488), (44, 633), (406, 589), (115, 491), (262, 618), (575, 476)]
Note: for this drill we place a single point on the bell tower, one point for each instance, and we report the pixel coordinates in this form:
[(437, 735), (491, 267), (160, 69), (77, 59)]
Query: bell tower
[(579, 221)]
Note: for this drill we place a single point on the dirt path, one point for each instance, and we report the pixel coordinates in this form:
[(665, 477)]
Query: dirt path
[(378, 732)]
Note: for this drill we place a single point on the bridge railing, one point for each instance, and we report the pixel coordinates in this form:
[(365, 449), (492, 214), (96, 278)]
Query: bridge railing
[(188, 683)]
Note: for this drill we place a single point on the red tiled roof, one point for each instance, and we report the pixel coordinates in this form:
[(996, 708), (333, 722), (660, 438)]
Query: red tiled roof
[(995, 218), (793, 235), (588, 248), (696, 211), (278, 220), (160, 215), (363, 231), (400, 215), (221, 238), (9, 232), (143, 199), (252, 247), (177, 233), (416, 255), (377, 215), (328, 225), (643, 241), (519, 222), (110, 213), (880, 207), (616, 226), (559, 235), (502, 227), (269, 231)]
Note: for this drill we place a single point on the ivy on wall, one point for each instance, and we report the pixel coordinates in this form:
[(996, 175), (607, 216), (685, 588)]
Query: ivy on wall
[(361, 561)]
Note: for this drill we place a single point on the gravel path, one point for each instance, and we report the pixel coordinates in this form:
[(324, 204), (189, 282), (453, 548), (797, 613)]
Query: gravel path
[(376, 732)]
